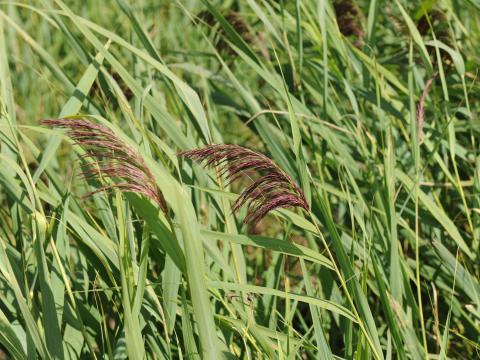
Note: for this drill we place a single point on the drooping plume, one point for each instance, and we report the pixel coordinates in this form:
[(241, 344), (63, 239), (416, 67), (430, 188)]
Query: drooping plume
[(271, 190), (112, 158)]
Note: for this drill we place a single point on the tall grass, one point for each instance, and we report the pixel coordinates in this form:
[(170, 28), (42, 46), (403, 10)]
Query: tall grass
[(369, 112)]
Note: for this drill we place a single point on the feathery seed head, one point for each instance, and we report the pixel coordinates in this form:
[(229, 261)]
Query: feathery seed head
[(112, 158), (273, 189)]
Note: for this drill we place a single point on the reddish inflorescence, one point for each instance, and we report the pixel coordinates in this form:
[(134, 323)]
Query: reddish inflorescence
[(112, 158), (271, 190)]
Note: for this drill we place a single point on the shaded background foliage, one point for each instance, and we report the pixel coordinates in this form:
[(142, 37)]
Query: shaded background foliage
[(386, 263)]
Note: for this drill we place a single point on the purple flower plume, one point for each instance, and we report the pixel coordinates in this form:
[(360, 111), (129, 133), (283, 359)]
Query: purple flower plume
[(112, 158), (271, 190)]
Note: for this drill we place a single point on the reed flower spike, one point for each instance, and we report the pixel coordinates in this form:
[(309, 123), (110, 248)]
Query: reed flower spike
[(271, 190), (112, 158)]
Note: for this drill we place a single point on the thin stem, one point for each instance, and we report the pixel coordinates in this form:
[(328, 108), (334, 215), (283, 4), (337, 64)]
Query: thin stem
[(417, 272), (344, 286)]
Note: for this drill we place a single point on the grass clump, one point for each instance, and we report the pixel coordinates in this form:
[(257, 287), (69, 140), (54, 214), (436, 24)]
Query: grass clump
[(345, 136)]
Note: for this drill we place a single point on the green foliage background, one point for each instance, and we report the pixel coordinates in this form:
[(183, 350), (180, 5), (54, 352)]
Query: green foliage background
[(385, 266)]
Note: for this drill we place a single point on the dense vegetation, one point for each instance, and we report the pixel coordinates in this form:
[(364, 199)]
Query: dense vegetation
[(371, 107)]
